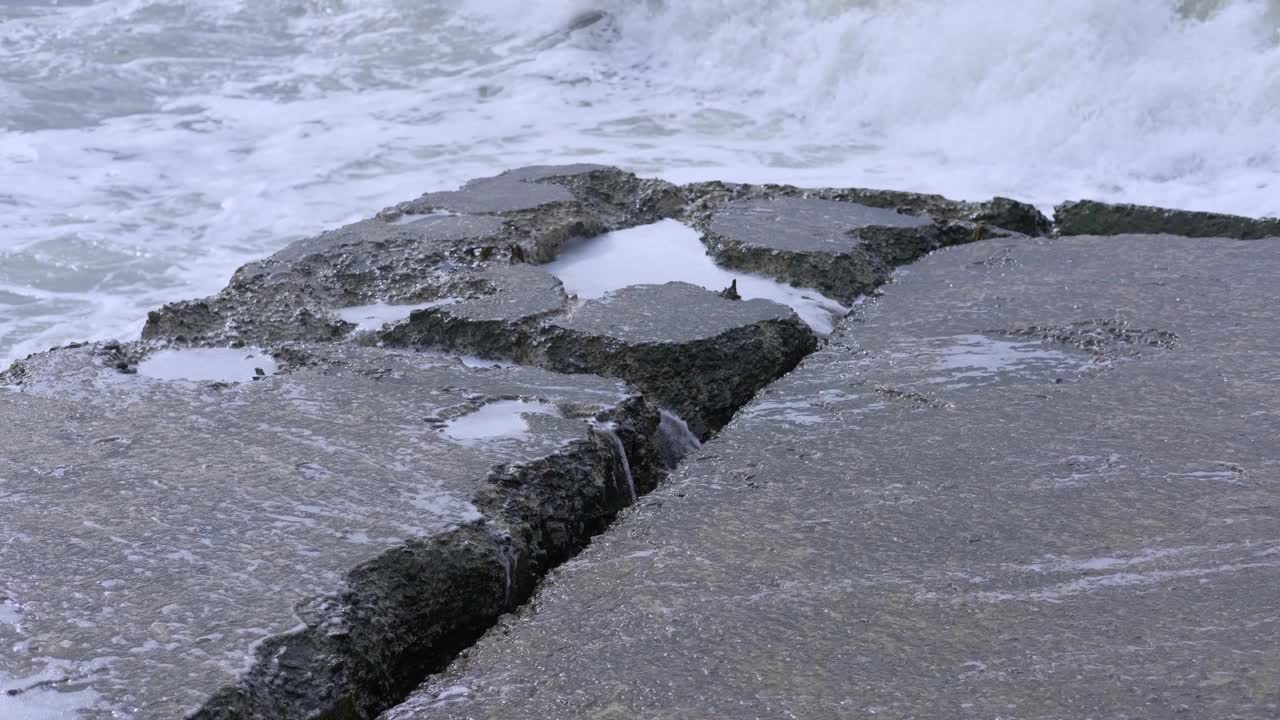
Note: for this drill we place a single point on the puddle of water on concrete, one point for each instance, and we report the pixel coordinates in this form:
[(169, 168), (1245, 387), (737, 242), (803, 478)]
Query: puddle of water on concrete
[(670, 251), (501, 420), (968, 360), (9, 612), (44, 695), (792, 412), (208, 364), (44, 703), (374, 317), (470, 361), (443, 505), (416, 218)]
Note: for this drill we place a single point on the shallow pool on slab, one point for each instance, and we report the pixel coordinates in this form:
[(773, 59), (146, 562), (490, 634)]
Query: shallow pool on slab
[(208, 364), (9, 612), (48, 694), (416, 218), (375, 316), (968, 360), (670, 251), (500, 420)]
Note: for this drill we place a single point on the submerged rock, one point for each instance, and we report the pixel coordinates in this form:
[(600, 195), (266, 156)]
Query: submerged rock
[(1089, 217)]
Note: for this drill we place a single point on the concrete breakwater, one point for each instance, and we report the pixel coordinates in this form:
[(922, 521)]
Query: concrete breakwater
[(303, 496)]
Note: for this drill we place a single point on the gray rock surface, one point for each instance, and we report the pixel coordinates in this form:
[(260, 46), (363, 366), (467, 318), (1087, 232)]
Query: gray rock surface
[(310, 542), (439, 246), (842, 248), (428, 249), (688, 348), (501, 324), (309, 530), (1090, 217), (1036, 479), (998, 212)]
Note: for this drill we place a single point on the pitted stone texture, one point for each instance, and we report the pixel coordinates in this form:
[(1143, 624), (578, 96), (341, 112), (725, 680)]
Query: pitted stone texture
[(999, 212), (843, 249), (290, 296), (309, 543), (509, 192), (1038, 487), (691, 349), (546, 206), (500, 324), (419, 251), (1089, 217)]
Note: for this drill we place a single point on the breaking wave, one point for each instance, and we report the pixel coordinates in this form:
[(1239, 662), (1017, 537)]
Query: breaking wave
[(151, 146)]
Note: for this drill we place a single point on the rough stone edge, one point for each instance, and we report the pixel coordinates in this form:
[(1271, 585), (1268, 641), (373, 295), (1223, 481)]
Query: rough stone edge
[(704, 198), (646, 366), (845, 275), (1091, 217), (363, 650)]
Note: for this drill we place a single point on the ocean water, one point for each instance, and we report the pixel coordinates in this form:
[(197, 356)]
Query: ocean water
[(149, 147)]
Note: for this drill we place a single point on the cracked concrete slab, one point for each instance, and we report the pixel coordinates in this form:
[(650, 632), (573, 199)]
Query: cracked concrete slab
[(843, 249), (689, 348), (422, 250), (285, 544), (1035, 479)]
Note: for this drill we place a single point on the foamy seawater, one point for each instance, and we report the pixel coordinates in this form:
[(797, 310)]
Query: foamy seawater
[(149, 147)]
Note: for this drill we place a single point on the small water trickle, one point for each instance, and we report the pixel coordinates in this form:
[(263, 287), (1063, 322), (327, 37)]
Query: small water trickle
[(677, 439), (507, 560), (622, 454)]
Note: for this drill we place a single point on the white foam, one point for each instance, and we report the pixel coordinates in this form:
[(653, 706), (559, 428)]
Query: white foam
[(375, 316), (500, 420), (669, 251), (146, 165)]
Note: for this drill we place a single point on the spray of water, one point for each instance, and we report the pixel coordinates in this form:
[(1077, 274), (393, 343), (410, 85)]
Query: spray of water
[(148, 147)]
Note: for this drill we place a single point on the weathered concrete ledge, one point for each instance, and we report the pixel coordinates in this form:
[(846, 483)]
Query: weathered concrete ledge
[(455, 263), (306, 545), (428, 423), (1036, 478), (1090, 217)]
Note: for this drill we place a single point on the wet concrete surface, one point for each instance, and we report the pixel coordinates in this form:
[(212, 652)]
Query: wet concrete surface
[(689, 348), (844, 249), (287, 545), (1038, 478)]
